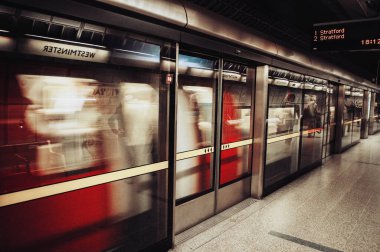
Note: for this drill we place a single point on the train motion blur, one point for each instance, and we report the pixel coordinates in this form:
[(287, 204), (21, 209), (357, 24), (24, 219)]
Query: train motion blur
[(117, 134)]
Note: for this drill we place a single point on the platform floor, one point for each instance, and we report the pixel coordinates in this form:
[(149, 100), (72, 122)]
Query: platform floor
[(335, 207)]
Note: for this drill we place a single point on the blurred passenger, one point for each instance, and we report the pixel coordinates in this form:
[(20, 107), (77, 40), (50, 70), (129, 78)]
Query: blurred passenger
[(310, 114), (65, 115), (193, 132)]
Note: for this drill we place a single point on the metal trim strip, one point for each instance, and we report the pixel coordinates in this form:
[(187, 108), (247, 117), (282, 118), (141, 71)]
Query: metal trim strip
[(194, 153), (236, 144), (68, 186), (280, 138)]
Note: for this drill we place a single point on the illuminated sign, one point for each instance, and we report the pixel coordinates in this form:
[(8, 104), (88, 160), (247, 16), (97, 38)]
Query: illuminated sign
[(234, 77), (347, 36), (279, 82), (65, 51)]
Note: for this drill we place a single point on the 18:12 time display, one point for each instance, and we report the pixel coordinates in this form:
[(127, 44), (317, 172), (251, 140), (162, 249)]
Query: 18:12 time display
[(370, 41)]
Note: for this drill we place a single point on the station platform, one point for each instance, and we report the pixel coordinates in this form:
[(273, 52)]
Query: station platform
[(335, 207)]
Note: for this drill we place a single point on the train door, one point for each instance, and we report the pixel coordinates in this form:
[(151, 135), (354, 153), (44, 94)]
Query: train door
[(235, 164), (195, 138), (326, 121), (331, 119), (312, 121), (213, 137)]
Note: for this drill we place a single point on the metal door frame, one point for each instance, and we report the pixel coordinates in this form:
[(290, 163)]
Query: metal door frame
[(194, 211)]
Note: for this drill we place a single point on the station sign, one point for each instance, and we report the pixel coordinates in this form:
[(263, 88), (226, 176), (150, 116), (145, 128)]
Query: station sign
[(347, 36), (65, 51)]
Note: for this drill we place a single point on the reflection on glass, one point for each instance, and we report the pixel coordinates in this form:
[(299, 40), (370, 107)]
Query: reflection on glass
[(283, 121), (283, 111), (312, 112), (358, 113), (347, 117), (347, 134), (195, 174), (356, 131), (312, 126), (235, 163), (377, 112), (353, 112), (195, 123), (326, 123), (281, 160), (332, 115), (236, 121)]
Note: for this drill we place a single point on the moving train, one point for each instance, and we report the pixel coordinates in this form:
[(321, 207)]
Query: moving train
[(124, 123)]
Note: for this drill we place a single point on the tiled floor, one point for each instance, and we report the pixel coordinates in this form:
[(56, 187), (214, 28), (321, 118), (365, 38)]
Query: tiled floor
[(335, 207)]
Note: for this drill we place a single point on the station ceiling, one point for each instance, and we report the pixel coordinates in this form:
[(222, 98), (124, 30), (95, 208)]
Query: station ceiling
[(291, 22)]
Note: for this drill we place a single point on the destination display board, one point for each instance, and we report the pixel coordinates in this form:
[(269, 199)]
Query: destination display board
[(347, 36)]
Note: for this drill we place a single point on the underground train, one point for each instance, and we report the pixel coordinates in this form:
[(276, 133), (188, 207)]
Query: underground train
[(124, 123)]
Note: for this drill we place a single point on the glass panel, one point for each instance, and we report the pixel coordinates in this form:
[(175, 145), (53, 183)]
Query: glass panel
[(377, 112), (326, 123), (281, 160), (194, 175), (312, 120), (283, 111), (370, 113), (326, 118), (332, 113), (358, 113), (236, 120), (195, 122), (127, 214), (237, 103), (347, 117), (284, 106), (235, 163), (332, 92), (356, 131)]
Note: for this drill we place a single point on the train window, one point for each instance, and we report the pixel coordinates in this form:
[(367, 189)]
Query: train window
[(55, 30), (69, 33), (195, 124), (6, 21), (24, 25), (84, 141), (40, 28), (63, 118)]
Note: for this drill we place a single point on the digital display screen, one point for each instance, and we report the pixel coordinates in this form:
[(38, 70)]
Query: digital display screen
[(356, 35)]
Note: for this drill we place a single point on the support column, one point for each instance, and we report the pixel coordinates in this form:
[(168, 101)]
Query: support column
[(259, 134), (365, 118), (339, 119), (371, 114)]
